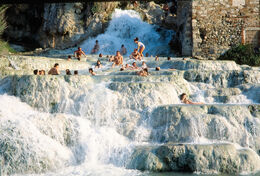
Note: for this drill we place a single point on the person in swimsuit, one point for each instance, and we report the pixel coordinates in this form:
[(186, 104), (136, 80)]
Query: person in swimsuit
[(68, 72), (118, 59), (78, 53), (123, 50), (141, 46), (134, 66), (96, 48), (98, 65), (135, 55), (143, 72), (184, 99), (36, 72), (91, 72), (54, 70), (144, 65)]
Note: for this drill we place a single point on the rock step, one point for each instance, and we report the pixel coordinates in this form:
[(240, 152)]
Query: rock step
[(209, 158), (34, 62)]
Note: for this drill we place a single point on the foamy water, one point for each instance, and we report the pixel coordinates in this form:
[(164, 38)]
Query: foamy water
[(124, 27)]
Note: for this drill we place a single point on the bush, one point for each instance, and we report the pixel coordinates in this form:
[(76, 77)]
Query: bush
[(3, 24), (243, 54)]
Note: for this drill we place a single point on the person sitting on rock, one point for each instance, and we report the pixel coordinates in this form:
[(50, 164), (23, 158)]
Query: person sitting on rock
[(143, 72), (118, 59), (96, 48), (54, 70), (36, 72), (140, 47), (123, 50), (98, 65), (68, 72), (135, 55), (78, 53), (184, 99), (90, 70)]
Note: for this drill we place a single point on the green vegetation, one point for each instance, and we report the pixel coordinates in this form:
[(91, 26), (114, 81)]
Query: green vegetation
[(243, 54), (4, 46), (96, 8), (3, 24)]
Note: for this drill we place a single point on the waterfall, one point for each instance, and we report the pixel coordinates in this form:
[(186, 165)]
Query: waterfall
[(115, 122), (124, 27)]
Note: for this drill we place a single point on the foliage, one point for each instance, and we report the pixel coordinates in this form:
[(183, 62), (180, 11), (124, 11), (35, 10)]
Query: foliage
[(5, 48), (243, 54), (3, 24), (96, 8)]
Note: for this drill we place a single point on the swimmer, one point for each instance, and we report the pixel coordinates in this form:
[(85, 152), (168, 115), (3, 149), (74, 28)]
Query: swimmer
[(54, 70), (184, 99), (36, 72), (69, 58), (144, 65), (156, 58), (91, 72), (140, 45), (100, 55), (76, 72), (134, 66), (143, 72), (98, 65), (127, 66), (168, 58), (68, 72), (157, 69), (42, 72)]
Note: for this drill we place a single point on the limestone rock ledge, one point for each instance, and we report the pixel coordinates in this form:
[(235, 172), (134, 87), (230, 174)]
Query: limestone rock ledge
[(211, 158)]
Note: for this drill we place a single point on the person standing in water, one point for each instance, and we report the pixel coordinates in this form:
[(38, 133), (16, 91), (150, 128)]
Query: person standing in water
[(96, 48), (123, 50), (78, 53), (141, 46)]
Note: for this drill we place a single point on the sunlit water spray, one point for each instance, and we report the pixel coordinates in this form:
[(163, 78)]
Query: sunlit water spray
[(123, 28)]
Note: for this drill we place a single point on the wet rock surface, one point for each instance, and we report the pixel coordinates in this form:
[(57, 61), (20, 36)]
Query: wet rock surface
[(223, 158), (220, 136)]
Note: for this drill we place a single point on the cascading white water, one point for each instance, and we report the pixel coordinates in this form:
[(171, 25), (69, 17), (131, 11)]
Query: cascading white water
[(123, 28), (96, 124)]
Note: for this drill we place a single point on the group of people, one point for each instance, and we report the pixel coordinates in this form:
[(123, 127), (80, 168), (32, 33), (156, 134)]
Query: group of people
[(54, 71), (117, 60), (137, 54)]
